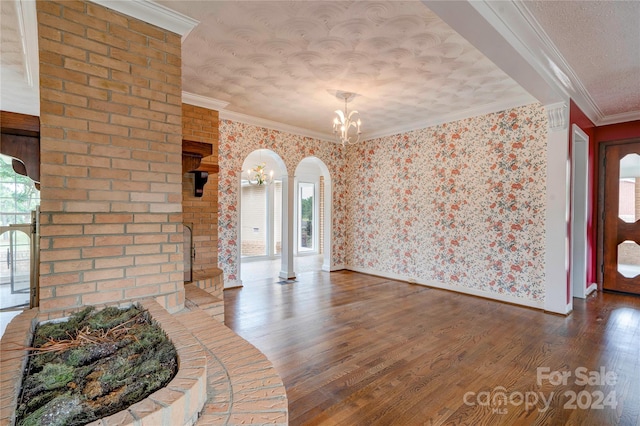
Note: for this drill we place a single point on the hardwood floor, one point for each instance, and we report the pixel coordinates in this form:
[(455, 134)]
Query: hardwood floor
[(354, 349)]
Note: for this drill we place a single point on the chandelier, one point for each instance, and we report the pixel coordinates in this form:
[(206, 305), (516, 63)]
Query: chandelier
[(257, 175), (345, 125)]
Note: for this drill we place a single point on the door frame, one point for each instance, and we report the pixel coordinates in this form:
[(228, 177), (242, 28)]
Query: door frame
[(600, 205), (580, 186)]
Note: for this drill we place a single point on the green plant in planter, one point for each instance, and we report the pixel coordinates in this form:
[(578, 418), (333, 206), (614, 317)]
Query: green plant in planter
[(93, 365)]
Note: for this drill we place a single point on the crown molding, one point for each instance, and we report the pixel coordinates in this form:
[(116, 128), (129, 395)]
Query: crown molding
[(423, 124), (551, 60), (203, 101), (28, 24), (522, 30), (490, 108), (153, 13), (619, 118), (274, 125), (218, 105), (21, 89)]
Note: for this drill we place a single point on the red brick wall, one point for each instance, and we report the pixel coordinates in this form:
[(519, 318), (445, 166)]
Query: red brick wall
[(201, 125), (111, 158)]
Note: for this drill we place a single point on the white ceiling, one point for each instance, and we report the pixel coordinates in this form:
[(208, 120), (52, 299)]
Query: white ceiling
[(282, 61)]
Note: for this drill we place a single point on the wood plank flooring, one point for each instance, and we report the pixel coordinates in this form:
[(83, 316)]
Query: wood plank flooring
[(354, 349)]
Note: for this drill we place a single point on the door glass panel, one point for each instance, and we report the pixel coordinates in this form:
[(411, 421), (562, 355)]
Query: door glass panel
[(254, 220), (629, 259), (18, 198), (15, 269), (629, 208), (306, 207)]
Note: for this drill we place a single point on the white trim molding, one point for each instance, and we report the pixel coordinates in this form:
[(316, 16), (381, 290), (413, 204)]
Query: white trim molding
[(451, 287), (274, 125), (203, 101), (618, 118), (154, 14), (28, 24), (522, 30), (557, 116), (219, 105), (490, 108)]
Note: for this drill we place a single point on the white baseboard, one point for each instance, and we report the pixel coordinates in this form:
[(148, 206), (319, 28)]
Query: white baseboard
[(593, 287), (333, 268), (451, 287), (233, 284)]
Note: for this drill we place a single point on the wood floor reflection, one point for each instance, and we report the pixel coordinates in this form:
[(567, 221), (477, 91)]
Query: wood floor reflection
[(354, 349)]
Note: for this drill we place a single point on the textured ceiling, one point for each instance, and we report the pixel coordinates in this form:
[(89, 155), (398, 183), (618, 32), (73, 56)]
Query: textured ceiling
[(600, 40), (284, 61)]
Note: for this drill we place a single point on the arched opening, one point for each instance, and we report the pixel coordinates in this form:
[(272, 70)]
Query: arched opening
[(260, 205), (302, 204)]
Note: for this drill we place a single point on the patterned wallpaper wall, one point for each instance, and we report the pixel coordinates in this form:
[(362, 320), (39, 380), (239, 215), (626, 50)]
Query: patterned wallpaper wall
[(462, 204), (237, 141)]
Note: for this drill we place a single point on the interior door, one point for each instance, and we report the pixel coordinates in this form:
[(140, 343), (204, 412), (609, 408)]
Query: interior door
[(621, 217)]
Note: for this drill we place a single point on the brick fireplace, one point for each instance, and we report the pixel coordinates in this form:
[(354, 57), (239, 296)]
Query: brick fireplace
[(111, 134)]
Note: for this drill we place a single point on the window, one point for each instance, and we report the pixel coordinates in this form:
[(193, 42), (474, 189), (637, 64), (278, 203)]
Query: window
[(306, 217)]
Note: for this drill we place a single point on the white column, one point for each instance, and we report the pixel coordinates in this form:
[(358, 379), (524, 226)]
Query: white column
[(288, 222), (558, 196)]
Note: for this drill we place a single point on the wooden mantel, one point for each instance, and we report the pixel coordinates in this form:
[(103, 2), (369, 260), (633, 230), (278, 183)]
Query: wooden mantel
[(21, 141), (192, 154)]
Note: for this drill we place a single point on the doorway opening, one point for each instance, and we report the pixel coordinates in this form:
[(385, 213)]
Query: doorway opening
[(308, 214), (261, 214), (19, 249), (579, 213)]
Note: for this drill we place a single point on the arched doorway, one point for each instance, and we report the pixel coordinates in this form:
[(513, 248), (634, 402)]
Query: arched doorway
[(267, 211), (261, 213)]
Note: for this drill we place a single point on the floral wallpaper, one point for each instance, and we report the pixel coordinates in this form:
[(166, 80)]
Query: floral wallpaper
[(461, 203), (237, 141)]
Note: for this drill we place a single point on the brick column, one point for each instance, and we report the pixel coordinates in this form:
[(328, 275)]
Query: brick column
[(110, 96)]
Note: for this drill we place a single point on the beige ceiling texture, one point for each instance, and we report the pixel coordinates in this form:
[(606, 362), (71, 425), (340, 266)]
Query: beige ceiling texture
[(283, 61), (601, 42)]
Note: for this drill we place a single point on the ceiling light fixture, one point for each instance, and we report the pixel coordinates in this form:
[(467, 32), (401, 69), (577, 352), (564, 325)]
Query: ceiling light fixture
[(345, 121), (257, 175)]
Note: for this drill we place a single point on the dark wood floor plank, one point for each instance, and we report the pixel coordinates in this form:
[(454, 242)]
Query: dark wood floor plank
[(354, 349)]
